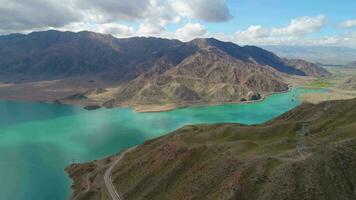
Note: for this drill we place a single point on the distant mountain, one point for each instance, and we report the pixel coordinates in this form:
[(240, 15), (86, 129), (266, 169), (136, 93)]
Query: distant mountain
[(216, 72), (349, 84), (317, 54), (307, 153), (351, 64), (67, 53), (151, 70), (206, 76), (63, 54)]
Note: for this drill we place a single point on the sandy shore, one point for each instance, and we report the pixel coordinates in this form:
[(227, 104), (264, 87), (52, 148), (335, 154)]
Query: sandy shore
[(52, 91), (169, 107), (336, 91), (32, 94), (334, 94)]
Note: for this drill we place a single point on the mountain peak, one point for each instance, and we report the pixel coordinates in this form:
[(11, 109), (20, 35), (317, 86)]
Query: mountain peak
[(50, 49), (212, 42), (205, 40)]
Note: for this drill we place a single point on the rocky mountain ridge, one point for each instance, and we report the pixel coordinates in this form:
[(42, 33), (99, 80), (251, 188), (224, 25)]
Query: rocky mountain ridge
[(146, 71)]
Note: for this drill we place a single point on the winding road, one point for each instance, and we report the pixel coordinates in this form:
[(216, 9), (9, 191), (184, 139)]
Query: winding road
[(108, 176)]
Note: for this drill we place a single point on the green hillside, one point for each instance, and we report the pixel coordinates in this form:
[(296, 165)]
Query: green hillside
[(307, 153)]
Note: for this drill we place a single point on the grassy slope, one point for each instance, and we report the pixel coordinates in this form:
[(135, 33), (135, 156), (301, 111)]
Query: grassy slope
[(307, 153), (339, 86), (319, 83)]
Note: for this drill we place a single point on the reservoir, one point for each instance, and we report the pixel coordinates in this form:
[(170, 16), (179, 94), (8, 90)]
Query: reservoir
[(38, 140)]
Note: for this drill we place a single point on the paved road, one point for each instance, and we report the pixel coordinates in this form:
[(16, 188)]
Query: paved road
[(108, 176)]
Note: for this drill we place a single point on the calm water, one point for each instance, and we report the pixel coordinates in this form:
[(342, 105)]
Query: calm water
[(37, 140)]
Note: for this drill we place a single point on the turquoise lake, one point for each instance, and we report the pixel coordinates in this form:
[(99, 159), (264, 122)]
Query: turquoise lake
[(38, 140)]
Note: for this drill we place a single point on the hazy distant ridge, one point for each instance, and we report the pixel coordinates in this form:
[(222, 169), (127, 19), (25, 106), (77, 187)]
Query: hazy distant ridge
[(317, 54)]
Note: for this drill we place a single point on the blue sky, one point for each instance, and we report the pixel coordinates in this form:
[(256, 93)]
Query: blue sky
[(279, 13), (288, 22), (274, 13)]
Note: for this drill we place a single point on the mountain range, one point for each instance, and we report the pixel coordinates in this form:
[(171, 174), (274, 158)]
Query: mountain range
[(148, 71), (351, 64), (327, 55)]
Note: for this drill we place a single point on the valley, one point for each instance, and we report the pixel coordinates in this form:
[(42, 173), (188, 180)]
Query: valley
[(341, 86), (177, 100), (172, 84)]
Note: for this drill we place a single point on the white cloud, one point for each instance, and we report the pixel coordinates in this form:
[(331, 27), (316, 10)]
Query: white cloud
[(295, 31), (19, 15), (348, 24), (212, 11), (253, 32), (148, 28), (155, 15), (348, 40), (76, 27), (191, 31), (111, 10), (300, 26), (115, 29)]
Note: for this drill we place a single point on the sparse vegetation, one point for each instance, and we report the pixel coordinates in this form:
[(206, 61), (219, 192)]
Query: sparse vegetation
[(272, 161), (319, 83)]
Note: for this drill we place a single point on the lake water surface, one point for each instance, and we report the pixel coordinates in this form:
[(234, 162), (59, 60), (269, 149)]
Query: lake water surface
[(38, 140)]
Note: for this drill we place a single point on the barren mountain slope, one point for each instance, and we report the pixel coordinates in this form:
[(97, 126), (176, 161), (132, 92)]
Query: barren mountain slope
[(209, 75), (66, 67)]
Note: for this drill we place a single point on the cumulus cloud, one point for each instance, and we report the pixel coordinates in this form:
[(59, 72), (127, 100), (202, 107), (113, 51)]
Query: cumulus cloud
[(155, 15), (348, 24), (191, 31), (346, 39), (19, 15), (115, 29), (109, 10), (211, 11), (294, 31), (149, 28), (123, 18), (253, 32), (300, 26)]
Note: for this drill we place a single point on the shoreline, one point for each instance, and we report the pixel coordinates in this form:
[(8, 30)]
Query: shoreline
[(175, 106), (148, 108), (171, 107), (293, 82)]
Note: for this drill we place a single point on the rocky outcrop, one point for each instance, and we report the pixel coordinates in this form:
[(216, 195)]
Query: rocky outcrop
[(92, 107)]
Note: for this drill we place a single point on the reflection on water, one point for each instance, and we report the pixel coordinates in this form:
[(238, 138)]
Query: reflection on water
[(37, 141)]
